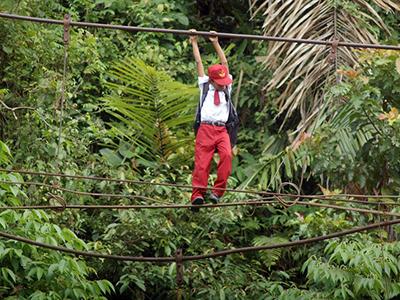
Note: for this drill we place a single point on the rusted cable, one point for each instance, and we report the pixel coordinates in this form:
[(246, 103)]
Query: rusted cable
[(361, 210), (199, 257), (58, 187), (277, 196), (123, 181), (185, 186), (61, 201), (283, 201), (294, 243), (142, 206), (126, 181), (185, 206), (200, 33)]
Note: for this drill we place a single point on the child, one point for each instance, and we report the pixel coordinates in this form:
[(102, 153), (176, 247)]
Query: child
[(215, 127)]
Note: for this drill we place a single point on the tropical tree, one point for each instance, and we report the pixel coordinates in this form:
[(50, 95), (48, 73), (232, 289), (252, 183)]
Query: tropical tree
[(302, 71), (304, 75), (358, 143), (359, 121)]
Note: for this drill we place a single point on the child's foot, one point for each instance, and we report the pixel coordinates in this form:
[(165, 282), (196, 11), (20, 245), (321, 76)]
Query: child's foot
[(197, 202), (213, 198)]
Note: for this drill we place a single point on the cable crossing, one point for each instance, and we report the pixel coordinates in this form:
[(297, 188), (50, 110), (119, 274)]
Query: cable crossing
[(266, 197)]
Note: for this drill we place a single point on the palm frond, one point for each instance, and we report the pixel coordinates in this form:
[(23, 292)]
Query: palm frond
[(302, 71), (277, 162), (151, 105), (349, 131)]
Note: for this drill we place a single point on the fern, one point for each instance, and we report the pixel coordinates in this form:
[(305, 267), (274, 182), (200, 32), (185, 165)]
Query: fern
[(270, 257), (149, 106)]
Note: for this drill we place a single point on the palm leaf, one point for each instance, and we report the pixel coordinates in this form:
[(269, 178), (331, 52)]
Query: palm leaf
[(151, 105), (302, 71)]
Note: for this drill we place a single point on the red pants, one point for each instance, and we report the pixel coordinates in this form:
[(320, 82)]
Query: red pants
[(208, 139)]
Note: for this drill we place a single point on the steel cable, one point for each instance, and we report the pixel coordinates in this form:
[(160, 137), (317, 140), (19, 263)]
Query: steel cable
[(200, 33), (186, 186), (203, 256)]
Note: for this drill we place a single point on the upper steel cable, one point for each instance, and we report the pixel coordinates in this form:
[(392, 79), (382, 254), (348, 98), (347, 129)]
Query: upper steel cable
[(185, 186), (147, 206), (279, 196), (201, 33), (64, 206)]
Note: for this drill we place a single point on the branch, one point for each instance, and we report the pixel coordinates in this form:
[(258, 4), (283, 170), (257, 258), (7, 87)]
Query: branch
[(13, 109)]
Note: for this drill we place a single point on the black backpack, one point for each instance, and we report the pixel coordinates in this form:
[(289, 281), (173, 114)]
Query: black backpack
[(232, 125)]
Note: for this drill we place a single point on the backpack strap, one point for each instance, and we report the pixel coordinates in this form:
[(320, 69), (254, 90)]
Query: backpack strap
[(204, 92), (232, 124), (206, 87), (228, 98)]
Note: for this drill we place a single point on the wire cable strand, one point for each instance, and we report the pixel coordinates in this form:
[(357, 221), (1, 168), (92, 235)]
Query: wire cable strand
[(200, 33), (185, 206), (58, 187), (141, 206), (185, 186), (277, 196), (203, 256), (250, 202)]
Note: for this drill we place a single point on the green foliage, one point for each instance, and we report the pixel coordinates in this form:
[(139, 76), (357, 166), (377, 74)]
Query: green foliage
[(149, 105), (358, 121), (276, 163), (343, 146), (356, 269), (302, 73), (5, 153), (359, 142), (25, 270), (270, 257)]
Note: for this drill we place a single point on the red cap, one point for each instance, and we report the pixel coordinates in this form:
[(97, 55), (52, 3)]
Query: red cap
[(219, 74)]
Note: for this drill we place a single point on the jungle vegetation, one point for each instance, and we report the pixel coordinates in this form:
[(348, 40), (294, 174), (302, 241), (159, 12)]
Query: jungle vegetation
[(329, 126)]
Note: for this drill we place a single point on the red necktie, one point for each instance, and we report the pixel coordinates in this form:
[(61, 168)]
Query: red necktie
[(216, 97)]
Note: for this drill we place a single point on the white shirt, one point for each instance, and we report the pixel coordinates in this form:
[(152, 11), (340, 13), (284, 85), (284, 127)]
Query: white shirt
[(209, 111)]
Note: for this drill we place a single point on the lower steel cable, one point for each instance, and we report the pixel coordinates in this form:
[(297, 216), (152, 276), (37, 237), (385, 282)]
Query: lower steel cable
[(203, 256)]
